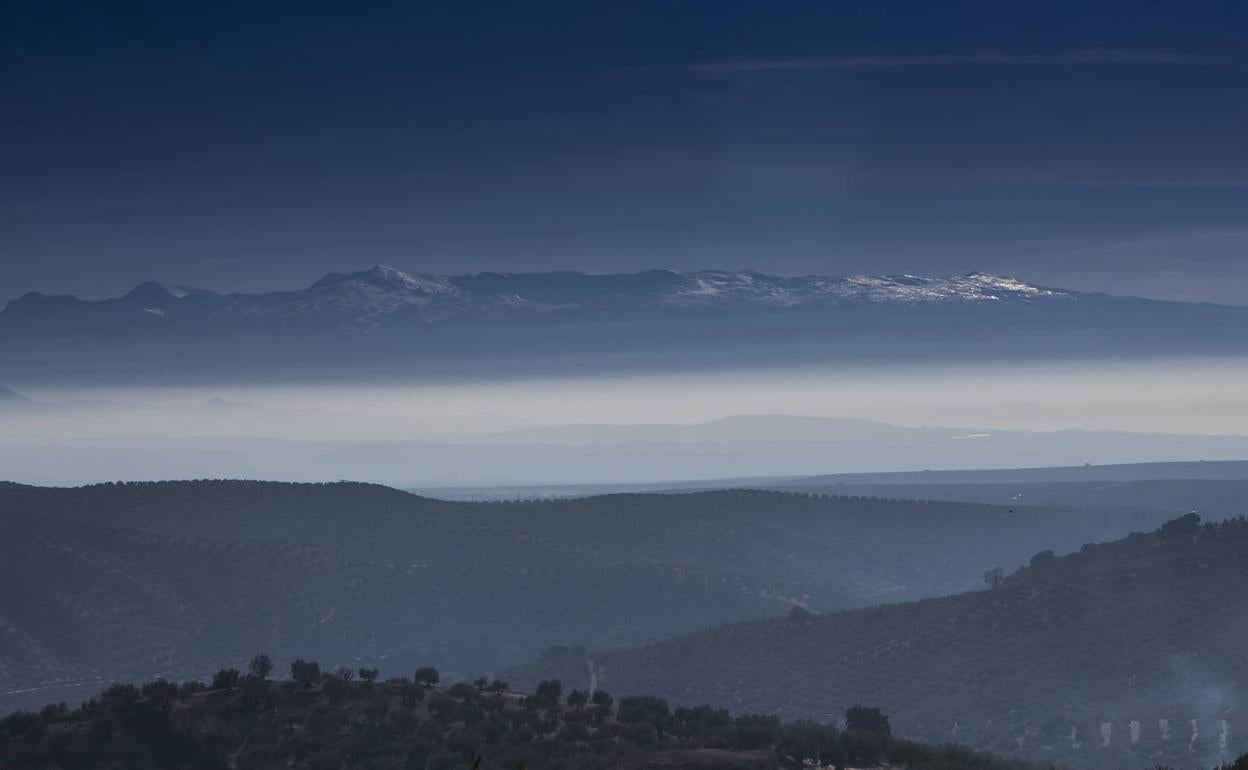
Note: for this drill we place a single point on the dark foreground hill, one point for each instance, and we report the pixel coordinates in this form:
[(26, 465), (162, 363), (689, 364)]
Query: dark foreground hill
[(333, 720), (1126, 653), (128, 581)]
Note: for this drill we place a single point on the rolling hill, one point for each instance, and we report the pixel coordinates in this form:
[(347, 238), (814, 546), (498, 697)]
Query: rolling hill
[(1224, 470), (132, 580), (1216, 498), (1123, 653), (995, 486)]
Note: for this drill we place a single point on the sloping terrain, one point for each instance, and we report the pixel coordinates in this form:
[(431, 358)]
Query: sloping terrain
[(1129, 652), (332, 720), (133, 579)]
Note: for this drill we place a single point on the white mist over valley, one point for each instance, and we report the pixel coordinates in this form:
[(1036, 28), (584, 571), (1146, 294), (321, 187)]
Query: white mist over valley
[(612, 429)]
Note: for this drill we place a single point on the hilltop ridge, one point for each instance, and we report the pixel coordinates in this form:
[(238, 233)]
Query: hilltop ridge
[(1127, 652), (123, 581)]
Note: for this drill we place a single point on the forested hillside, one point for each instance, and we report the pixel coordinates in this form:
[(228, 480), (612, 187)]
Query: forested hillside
[(1129, 652), (347, 719), (1217, 498), (125, 581)]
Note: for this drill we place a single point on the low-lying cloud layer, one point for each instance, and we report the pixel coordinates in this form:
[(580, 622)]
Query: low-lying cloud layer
[(624, 429)]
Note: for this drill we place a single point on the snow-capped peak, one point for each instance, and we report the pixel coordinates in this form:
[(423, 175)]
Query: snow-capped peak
[(388, 275), (390, 278), (713, 287), (368, 298), (366, 294), (155, 291)]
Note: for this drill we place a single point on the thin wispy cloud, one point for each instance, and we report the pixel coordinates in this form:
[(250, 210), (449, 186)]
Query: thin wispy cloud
[(988, 57)]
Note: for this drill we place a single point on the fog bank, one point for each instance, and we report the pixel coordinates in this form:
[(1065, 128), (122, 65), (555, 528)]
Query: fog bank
[(644, 428)]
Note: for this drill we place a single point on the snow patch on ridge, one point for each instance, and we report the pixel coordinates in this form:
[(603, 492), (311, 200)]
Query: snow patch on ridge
[(716, 287), (364, 299)]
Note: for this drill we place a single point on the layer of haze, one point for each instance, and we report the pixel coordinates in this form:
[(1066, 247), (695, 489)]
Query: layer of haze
[(571, 431)]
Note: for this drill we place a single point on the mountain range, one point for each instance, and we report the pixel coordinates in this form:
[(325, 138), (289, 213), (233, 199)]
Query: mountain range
[(393, 323), (383, 295)]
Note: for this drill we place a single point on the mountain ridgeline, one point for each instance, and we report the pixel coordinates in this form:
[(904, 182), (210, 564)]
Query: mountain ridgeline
[(1127, 653), (386, 322), (128, 581)]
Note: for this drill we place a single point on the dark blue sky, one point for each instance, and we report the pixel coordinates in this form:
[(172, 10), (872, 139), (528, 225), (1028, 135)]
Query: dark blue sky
[(259, 145)]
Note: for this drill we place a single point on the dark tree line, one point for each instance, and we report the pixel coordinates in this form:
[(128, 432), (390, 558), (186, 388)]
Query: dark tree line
[(346, 718)]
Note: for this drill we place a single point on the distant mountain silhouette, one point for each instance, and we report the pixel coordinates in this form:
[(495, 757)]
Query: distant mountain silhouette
[(370, 298), (386, 322), (1216, 488), (9, 397)]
